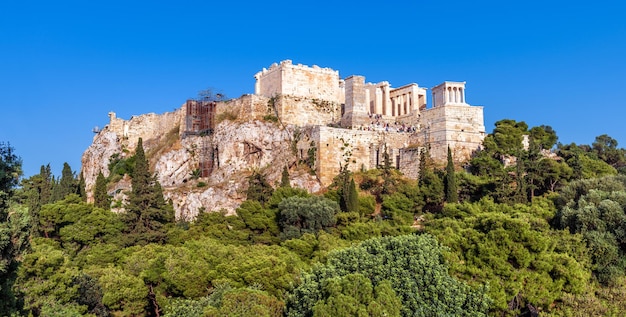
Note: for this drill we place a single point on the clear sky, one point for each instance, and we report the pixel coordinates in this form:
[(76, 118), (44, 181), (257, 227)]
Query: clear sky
[(65, 64)]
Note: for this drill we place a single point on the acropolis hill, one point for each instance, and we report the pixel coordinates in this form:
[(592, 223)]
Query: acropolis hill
[(298, 115)]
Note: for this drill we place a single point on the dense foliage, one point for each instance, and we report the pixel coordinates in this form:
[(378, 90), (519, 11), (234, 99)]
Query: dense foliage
[(528, 226), (372, 278)]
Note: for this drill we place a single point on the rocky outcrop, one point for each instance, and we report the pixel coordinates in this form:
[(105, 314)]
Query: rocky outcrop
[(96, 158), (239, 149)]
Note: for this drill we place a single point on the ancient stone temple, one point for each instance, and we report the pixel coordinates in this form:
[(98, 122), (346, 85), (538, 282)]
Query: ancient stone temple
[(351, 116)]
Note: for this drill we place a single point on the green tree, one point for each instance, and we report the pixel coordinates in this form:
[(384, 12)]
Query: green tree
[(245, 302), (351, 197), (430, 184), (507, 137), (398, 208), (299, 215), (354, 295), (37, 190), (46, 280), (346, 189), (584, 163), (605, 147), (513, 249), (452, 195), (595, 209), (90, 294), (78, 224), (147, 213), (258, 188), (543, 136), (284, 179), (284, 192), (101, 197), (13, 228), (412, 265), (82, 192), (389, 181), (67, 184), (262, 222)]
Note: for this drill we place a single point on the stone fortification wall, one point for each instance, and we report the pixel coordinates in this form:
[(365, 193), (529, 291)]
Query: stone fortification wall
[(360, 149), (305, 111), (120, 137), (461, 127), (355, 109), (246, 107), (300, 81), (146, 126), (409, 159)]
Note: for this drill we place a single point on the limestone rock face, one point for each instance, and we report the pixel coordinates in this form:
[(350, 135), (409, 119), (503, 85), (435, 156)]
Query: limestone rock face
[(96, 158), (238, 149)]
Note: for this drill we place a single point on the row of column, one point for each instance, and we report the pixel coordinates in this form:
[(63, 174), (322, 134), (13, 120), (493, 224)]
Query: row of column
[(454, 95), (401, 104)]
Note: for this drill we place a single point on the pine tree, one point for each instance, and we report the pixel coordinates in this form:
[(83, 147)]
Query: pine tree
[(284, 180), (258, 188), (100, 195), (10, 249), (146, 212), (81, 191), (452, 195)]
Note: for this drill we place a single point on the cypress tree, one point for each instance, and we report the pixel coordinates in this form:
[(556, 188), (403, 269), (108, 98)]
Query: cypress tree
[(342, 182), (44, 185), (39, 192), (10, 250), (431, 184), (352, 197), (100, 195), (81, 191), (284, 180), (67, 183), (389, 182), (146, 212), (423, 165), (452, 195)]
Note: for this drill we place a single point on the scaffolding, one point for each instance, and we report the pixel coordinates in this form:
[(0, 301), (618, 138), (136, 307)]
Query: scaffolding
[(208, 157), (199, 120)]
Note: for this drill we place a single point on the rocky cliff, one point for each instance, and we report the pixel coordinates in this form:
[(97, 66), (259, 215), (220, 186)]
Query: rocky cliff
[(241, 147)]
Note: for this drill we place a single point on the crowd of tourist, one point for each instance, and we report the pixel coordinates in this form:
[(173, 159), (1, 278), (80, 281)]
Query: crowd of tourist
[(376, 124)]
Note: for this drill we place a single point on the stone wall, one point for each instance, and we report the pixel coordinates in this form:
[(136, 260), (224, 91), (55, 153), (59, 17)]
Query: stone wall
[(300, 81), (121, 136), (355, 109), (409, 159), (461, 127), (306, 111), (145, 126), (246, 107), (359, 149)]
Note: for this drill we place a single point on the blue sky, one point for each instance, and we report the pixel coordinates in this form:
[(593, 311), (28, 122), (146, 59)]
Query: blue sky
[(65, 64)]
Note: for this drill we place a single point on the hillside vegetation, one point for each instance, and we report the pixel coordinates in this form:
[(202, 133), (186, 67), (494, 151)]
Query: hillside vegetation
[(527, 227)]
